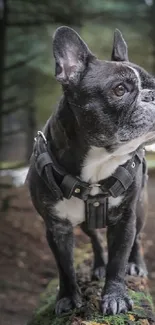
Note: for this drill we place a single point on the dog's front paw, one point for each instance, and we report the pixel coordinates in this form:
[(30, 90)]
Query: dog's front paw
[(63, 305), (137, 270), (66, 304), (113, 304), (98, 273)]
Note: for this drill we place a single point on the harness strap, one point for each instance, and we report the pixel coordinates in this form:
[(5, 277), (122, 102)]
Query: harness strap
[(65, 185), (43, 160), (44, 166), (49, 169), (123, 180), (123, 176)]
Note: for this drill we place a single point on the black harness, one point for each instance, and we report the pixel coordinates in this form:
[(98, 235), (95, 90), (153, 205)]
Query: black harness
[(63, 185)]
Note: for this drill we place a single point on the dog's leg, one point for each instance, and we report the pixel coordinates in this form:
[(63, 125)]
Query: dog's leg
[(99, 266), (120, 240), (136, 265), (60, 239)]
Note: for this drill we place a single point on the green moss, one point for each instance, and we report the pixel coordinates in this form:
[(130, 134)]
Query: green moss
[(112, 320), (46, 317), (139, 297), (143, 305), (45, 314), (90, 313), (49, 294)]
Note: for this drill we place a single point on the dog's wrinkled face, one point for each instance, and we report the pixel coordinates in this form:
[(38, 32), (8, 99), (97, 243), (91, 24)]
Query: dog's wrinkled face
[(113, 101)]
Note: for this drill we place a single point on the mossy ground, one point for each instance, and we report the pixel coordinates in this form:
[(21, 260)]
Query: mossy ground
[(90, 314)]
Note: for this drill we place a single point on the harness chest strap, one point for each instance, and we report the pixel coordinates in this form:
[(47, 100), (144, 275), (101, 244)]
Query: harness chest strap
[(96, 207)]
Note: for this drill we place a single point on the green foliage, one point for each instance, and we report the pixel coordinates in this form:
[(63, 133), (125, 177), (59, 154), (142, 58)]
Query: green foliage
[(29, 64), (90, 313), (142, 310), (138, 297), (116, 7), (29, 41)]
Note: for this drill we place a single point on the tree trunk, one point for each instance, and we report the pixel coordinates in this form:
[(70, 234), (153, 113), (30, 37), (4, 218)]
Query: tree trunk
[(3, 19)]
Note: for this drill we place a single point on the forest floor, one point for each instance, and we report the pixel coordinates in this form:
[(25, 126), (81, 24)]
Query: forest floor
[(26, 263)]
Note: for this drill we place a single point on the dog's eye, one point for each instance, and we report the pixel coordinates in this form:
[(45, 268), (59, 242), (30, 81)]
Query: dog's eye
[(119, 90)]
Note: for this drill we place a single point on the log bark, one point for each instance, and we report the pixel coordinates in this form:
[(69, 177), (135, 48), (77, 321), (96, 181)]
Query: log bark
[(89, 314)]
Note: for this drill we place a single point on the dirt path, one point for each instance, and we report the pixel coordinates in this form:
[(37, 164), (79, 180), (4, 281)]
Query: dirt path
[(26, 263)]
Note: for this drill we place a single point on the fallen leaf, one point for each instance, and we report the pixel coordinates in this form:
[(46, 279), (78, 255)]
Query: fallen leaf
[(131, 317), (92, 323), (144, 322)]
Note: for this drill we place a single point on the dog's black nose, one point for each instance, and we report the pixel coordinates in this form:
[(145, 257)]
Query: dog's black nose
[(148, 99), (147, 95)]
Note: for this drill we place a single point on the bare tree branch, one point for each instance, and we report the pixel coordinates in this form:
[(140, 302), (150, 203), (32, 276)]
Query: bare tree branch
[(9, 100), (13, 132), (20, 63), (28, 23)]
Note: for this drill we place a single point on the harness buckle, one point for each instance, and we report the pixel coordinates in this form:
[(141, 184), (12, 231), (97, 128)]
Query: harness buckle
[(71, 186)]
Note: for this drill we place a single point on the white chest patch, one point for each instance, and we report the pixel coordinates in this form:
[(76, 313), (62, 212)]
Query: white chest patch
[(98, 165)]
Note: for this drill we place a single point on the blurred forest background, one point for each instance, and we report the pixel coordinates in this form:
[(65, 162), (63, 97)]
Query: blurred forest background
[(28, 89), (28, 95)]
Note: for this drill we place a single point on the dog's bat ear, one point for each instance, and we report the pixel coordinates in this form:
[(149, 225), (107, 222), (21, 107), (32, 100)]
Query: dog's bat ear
[(120, 49), (71, 55)]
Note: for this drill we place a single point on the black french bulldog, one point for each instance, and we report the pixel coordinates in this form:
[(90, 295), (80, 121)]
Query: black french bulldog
[(106, 113)]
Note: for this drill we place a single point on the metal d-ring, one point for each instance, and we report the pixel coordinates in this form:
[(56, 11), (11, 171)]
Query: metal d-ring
[(40, 133), (133, 165), (95, 185)]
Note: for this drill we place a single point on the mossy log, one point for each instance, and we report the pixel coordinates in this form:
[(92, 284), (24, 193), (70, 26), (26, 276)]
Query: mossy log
[(89, 314)]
